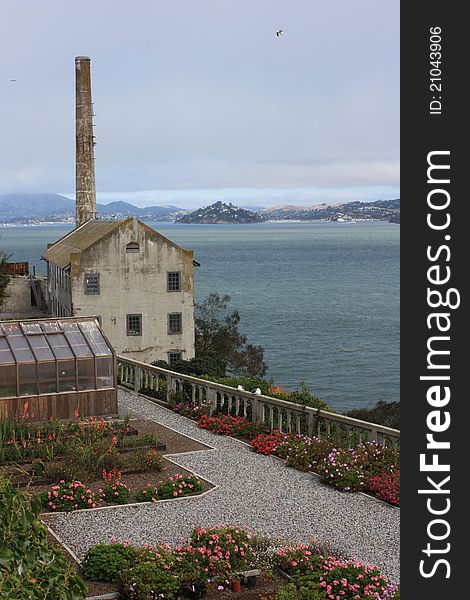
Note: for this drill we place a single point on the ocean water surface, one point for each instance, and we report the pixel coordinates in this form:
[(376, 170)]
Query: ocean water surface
[(321, 298)]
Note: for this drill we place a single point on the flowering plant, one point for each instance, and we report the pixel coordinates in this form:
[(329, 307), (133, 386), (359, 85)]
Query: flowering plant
[(224, 550), (179, 485), (192, 411), (150, 460), (342, 469), (386, 487), (298, 559), (268, 443), (114, 489), (174, 487), (229, 425), (351, 580), (70, 496)]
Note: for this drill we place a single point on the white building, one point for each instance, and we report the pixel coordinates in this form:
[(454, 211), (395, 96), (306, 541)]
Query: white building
[(138, 283)]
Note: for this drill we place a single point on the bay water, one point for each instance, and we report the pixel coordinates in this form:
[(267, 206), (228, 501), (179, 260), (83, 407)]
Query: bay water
[(321, 298)]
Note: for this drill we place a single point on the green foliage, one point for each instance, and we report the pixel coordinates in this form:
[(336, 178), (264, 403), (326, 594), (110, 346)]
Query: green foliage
[(304, 397), (31, 569), (210, 364), (151, 576), (309, 591), (383, 413), (217, 335), (105, 562), (4, 277)]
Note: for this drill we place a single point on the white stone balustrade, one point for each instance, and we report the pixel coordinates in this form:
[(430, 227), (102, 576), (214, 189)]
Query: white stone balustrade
[(273, 412)]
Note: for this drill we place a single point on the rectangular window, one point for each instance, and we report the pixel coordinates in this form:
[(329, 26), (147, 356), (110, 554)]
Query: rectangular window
[(174, 281), (174, 357), (134, 324), (175, 323), (92, 283)]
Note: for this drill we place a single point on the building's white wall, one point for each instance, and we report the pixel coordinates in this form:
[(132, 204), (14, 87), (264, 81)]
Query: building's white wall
[(136, 283), (18, 303)]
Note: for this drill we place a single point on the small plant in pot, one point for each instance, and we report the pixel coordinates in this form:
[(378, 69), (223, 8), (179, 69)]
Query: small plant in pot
[(235, 582)]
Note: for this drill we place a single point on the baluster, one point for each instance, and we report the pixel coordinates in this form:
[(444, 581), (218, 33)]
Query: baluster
[(271, 417), (338, 434), (297, 423), (237, 406), (137, 376), (193, 394)]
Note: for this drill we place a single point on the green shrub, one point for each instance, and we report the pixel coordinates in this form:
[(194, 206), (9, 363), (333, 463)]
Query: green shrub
[(179, 485), (70, 496), (383, 413), (115, 491), (31, 568), (105, 562), (224, 550), (147, 494), (308, 591), (153, 575)]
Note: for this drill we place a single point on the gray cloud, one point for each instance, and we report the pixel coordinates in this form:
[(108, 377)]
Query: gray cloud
[(203, 95)]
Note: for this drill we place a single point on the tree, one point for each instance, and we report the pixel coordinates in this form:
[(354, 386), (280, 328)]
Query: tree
[(217, 335), (4, 277)]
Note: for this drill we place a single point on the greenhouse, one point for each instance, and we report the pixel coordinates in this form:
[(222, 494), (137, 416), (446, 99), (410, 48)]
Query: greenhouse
[(56, 367)]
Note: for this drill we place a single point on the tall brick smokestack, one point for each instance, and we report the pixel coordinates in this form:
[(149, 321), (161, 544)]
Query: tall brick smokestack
[(85, 185)]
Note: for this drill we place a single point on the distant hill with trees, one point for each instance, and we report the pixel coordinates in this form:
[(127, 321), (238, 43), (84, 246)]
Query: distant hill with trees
[(221, 213)]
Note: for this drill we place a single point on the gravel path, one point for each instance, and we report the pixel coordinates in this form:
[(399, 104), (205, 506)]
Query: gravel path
[(254, 490)]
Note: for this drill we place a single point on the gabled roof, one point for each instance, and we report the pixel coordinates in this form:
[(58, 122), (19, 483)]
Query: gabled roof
[(78, 240), (88, 234)]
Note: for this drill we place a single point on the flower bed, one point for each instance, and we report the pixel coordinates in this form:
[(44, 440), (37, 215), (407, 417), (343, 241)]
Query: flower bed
[(368, 467), (216, 557), (229, 425), (174, 487)]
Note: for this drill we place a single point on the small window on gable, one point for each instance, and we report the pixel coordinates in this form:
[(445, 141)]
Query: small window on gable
[(133, 247)]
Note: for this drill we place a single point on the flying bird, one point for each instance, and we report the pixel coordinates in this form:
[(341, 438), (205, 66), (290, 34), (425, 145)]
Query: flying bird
[(12, 80), (279, 32)]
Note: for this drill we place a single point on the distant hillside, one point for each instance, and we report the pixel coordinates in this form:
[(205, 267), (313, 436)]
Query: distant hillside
[(26, 208), (381, 210), (220, 213)]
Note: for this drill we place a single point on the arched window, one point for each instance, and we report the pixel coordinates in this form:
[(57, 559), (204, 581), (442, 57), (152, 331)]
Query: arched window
[(132, 247)]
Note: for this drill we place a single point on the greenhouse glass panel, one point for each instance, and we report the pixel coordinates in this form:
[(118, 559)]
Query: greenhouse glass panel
[(95, 339), (40, 347), (67, 381), (51, 327), (28, 379), (47, 377), (104, 372), (76, 340), (18, 343), (7, 381), (31, 328), (5, 353), (59, 345), (86, 374)]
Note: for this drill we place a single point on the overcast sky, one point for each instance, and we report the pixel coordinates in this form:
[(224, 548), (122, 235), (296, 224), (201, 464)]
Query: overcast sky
[(198, 101)]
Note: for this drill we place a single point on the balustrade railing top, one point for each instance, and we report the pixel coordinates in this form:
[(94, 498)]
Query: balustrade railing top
[(274, 412)]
